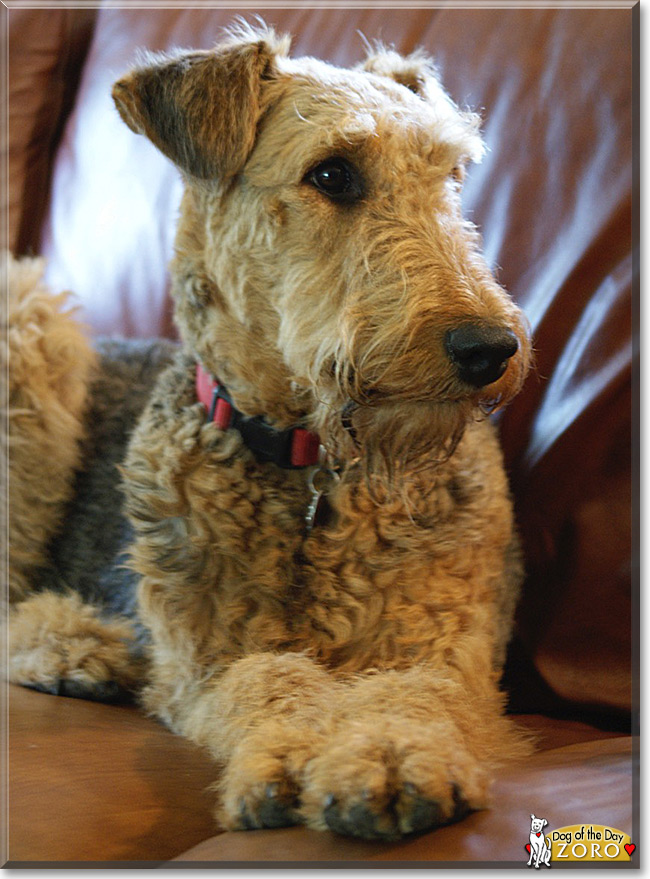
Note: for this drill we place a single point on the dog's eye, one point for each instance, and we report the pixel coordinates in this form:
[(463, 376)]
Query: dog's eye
[(337, 179)]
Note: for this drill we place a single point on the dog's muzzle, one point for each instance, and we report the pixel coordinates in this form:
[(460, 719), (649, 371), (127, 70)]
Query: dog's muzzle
[(480, 352)]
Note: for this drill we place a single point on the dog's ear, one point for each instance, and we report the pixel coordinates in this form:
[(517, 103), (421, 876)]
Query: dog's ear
[(412, 71), (418, 73), (200, 108), (545, 823)]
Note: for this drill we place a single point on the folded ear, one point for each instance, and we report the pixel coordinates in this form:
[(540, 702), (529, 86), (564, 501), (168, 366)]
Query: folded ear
[(200, 108), (412, 70), (418, 73)]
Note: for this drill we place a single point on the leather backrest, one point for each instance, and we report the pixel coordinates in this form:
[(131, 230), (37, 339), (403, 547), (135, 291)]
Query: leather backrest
[(44, 62)]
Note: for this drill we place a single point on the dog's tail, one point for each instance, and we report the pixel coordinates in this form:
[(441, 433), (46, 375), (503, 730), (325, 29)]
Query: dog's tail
[(48, 363)]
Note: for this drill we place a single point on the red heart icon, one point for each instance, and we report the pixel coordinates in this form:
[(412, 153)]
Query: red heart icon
[(538, 834), (629, 847), (528, 847)]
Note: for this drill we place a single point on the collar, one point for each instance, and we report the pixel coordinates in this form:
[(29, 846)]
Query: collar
[(290, 449)]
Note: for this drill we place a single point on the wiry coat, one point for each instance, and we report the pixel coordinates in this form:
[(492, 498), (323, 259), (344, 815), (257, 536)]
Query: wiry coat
[(50, 364), (348, 676)]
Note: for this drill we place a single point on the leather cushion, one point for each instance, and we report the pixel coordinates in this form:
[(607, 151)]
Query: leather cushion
[(92, 782)]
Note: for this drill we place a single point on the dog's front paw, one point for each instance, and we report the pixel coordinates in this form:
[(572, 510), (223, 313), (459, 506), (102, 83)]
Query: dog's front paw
[(391, 782), (260, 786)]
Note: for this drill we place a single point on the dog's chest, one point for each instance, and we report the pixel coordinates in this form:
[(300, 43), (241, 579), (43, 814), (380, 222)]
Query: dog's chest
[(352, 589), (222, 540)]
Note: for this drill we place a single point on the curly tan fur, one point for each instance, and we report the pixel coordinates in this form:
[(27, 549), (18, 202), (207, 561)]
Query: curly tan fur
[(346, 677), (50, 363), (55, 638)]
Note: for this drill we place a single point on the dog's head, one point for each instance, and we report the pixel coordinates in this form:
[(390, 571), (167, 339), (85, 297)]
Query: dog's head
[(537, 824), (323, 268)]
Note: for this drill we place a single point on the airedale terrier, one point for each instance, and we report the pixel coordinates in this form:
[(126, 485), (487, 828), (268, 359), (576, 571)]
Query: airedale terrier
[(322, 532)]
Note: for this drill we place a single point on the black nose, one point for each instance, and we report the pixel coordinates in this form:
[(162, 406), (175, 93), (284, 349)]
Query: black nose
[(480, 352)]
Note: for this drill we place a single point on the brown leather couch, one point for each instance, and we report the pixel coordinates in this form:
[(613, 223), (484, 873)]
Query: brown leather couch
[(557, 201)]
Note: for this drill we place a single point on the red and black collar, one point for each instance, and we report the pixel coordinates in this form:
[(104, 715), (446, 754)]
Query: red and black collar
[(290, 449)]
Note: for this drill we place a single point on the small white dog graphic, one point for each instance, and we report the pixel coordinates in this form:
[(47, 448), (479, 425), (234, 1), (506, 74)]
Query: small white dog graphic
[(540, 849)]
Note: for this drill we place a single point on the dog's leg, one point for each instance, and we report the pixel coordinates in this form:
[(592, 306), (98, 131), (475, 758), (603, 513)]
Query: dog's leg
[(380, 756), (262, 719), (58, 644)]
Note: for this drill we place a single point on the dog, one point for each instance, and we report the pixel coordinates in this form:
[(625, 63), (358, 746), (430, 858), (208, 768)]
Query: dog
[(321, 531), (540, 850)]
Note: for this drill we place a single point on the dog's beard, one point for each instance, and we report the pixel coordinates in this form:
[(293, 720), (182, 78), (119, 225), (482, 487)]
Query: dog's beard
[(397, 440), (394, 441), (404, 423)]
